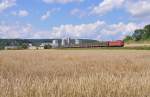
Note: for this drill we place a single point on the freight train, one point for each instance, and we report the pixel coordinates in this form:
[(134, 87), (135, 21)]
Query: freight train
[(118, 43)]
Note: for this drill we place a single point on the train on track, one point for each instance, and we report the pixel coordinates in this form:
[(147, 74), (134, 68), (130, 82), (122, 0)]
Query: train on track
[(118, 43)]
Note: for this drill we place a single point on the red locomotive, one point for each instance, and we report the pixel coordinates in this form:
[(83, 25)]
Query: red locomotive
[(118, 43)]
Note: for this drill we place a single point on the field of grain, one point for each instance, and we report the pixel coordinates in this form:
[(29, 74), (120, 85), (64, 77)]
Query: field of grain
[(75, 73), (138, 45)]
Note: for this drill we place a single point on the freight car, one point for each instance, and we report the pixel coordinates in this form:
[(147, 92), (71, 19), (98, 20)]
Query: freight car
[(117, 43)]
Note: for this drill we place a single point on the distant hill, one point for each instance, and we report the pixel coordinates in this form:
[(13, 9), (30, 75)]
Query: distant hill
[(36, 42)]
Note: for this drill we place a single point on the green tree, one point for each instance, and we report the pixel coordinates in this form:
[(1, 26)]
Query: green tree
[(146, 34), (24, 46), (138, 34), (128, 38)]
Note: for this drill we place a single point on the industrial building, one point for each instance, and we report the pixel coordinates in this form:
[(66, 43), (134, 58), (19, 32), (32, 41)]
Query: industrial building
[(10, 47)]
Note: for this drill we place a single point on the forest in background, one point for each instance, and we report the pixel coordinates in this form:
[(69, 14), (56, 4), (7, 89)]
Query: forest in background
[(139, 35)]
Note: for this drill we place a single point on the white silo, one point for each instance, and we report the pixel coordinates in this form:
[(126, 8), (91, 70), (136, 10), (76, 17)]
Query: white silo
[(55, 44), (77, 41), (68, 40), (63, 42)]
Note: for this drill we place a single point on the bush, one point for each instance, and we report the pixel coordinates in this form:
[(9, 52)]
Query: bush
[(47, 47)]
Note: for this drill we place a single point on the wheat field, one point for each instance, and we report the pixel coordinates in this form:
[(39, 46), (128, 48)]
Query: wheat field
[(75, 73)]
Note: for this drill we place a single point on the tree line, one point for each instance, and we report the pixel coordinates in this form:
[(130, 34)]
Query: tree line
[(139, 35), (21, 44)]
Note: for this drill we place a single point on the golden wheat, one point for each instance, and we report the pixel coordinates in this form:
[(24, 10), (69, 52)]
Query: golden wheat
[(75, 73)]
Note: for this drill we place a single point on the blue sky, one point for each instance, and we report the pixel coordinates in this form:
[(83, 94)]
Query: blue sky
[(94, 19)]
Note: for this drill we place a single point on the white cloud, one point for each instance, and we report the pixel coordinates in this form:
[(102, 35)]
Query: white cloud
[(83, 30), (78, 12), (18, 30), (21, 13), (15, 31), (98, 30), (75, 11), (49, 13), (106, 6), (139, 9), (5, 4), (61, 1), (46, 15)]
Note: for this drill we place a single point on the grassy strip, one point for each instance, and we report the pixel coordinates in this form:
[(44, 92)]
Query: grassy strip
[(108, 48), (102, 48)]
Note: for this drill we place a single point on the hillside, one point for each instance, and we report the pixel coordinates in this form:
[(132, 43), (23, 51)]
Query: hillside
[(36, 42)]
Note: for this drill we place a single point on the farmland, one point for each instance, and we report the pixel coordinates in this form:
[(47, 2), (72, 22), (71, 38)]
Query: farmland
[(75, 73)]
